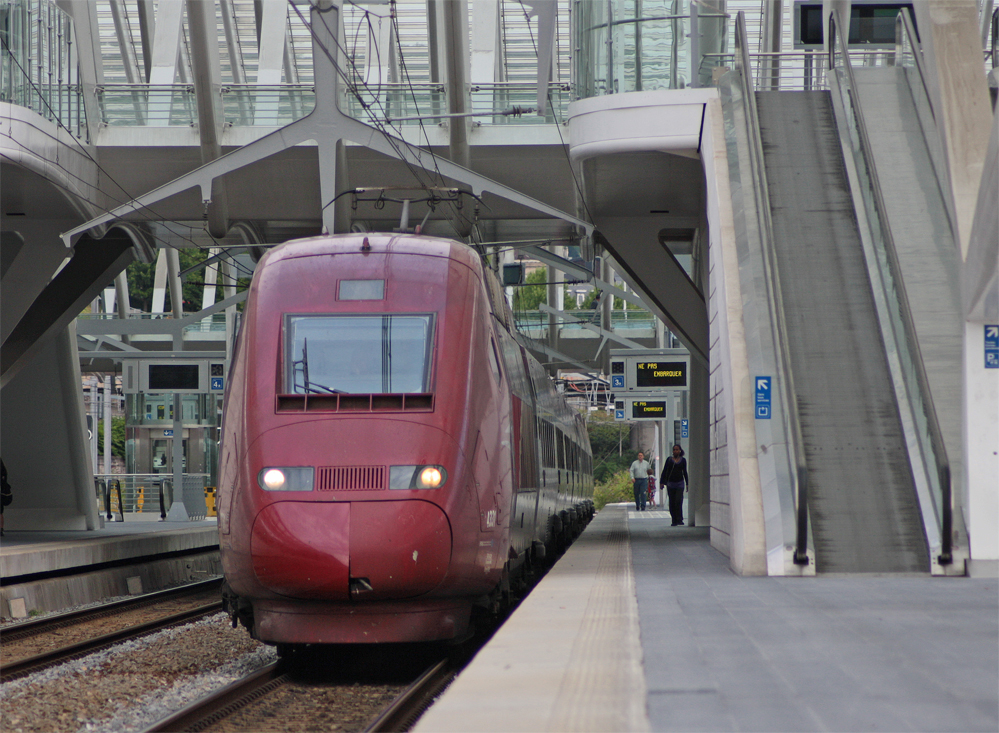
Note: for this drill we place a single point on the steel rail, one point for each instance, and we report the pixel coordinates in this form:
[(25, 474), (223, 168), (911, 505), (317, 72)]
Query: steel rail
[(33, 627), (224, 702), (22, 667), (414, 700)]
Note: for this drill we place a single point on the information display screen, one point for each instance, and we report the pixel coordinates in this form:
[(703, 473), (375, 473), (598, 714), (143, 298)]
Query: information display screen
[(168, 377), (661, 374), (646, 409)]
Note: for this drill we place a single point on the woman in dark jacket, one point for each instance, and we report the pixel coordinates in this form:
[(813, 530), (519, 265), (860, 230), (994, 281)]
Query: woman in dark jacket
[(674, 478)]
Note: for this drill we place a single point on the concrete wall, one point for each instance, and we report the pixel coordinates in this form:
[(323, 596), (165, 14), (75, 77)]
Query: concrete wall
[(43, 443), (737, 518)]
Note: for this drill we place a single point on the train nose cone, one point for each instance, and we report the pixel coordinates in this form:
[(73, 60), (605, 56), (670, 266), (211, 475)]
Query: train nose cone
[(378, 550), (301, 549)]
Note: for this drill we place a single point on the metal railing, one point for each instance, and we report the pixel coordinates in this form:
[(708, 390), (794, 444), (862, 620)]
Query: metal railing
[(149, 493), (39, 68), (534, 320), (901, 329), (147, 105), (792, 423)]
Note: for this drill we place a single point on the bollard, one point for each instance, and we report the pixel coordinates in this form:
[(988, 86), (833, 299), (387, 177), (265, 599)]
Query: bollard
[(107, 499), (162, 508), (121, 504), (210, 501)]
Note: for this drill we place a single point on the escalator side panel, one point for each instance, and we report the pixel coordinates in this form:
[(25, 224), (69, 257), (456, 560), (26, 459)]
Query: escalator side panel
[(862, 498)]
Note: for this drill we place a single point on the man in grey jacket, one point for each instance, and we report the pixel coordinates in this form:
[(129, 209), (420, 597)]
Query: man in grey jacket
[(640, 478)]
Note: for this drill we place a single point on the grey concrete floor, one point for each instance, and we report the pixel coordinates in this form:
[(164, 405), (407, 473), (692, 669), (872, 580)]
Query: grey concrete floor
[(729, 653)]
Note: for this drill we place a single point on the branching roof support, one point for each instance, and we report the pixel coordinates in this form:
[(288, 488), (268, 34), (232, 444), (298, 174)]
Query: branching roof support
[(326, 124)]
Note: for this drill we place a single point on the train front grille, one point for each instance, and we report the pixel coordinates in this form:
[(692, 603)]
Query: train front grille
[(350, 478)]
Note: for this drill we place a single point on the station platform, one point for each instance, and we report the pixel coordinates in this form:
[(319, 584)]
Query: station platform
[(50, 571), (643, 626)]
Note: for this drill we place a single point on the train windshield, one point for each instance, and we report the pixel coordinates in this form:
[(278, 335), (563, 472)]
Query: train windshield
[(368, 354)]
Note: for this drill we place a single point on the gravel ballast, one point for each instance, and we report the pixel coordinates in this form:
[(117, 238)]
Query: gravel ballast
[(134, 684)]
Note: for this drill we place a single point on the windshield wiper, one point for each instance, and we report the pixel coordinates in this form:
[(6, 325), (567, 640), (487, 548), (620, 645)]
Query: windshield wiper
[(311, 387)]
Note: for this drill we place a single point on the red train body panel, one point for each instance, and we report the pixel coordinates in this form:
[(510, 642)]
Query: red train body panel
[(390, 454)]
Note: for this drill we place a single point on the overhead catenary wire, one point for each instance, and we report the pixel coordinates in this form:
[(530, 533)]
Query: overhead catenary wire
[(353, 85)]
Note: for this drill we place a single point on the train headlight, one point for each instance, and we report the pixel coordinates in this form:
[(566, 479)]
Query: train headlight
[(286, 479), (430, 477), (417, 477)]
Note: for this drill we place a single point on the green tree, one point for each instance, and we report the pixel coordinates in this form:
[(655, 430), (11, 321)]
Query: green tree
[(141, 278), (527, 297), (609, 441), (117, 436)]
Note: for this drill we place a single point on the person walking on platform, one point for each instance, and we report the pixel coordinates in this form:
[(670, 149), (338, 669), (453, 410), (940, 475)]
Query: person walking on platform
[(675, 479), (640, 480)]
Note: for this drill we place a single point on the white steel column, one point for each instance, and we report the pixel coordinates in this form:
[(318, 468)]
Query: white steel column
[(122, 299), (456, 46), (166, 41), (88, 52), (273, 20), (159, 283), (545, 10), (176, 288), (211, 276), (107, 423), (166, 47), (208, 90), (380, 58)]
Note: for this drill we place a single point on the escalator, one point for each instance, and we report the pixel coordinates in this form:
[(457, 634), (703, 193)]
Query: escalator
[(862, 501)]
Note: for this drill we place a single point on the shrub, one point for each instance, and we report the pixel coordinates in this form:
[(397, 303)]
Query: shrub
[(616, 489)]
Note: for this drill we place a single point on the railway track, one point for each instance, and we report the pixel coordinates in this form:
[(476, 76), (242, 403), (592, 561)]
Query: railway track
[(63, 624), (401, 713)]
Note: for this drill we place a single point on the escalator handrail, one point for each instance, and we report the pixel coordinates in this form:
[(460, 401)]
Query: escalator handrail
[(791, 415), (922, 382)]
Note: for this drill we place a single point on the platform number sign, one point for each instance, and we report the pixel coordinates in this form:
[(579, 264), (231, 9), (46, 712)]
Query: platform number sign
[(218, 377), (617, 375), (763, 386), (992, 346)]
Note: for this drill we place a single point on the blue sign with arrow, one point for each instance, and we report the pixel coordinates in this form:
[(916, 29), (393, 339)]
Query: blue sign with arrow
[(763, 386), (684, 428), (992, 347)]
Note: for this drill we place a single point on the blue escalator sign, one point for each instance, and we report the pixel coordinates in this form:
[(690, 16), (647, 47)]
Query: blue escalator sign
[(992, 347), (763, 385)]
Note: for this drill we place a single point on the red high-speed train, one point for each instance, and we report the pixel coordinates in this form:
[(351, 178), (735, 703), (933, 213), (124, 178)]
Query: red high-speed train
[(391, 456)]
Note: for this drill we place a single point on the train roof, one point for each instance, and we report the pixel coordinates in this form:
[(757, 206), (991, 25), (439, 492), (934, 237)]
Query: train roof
[(379, 242)]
